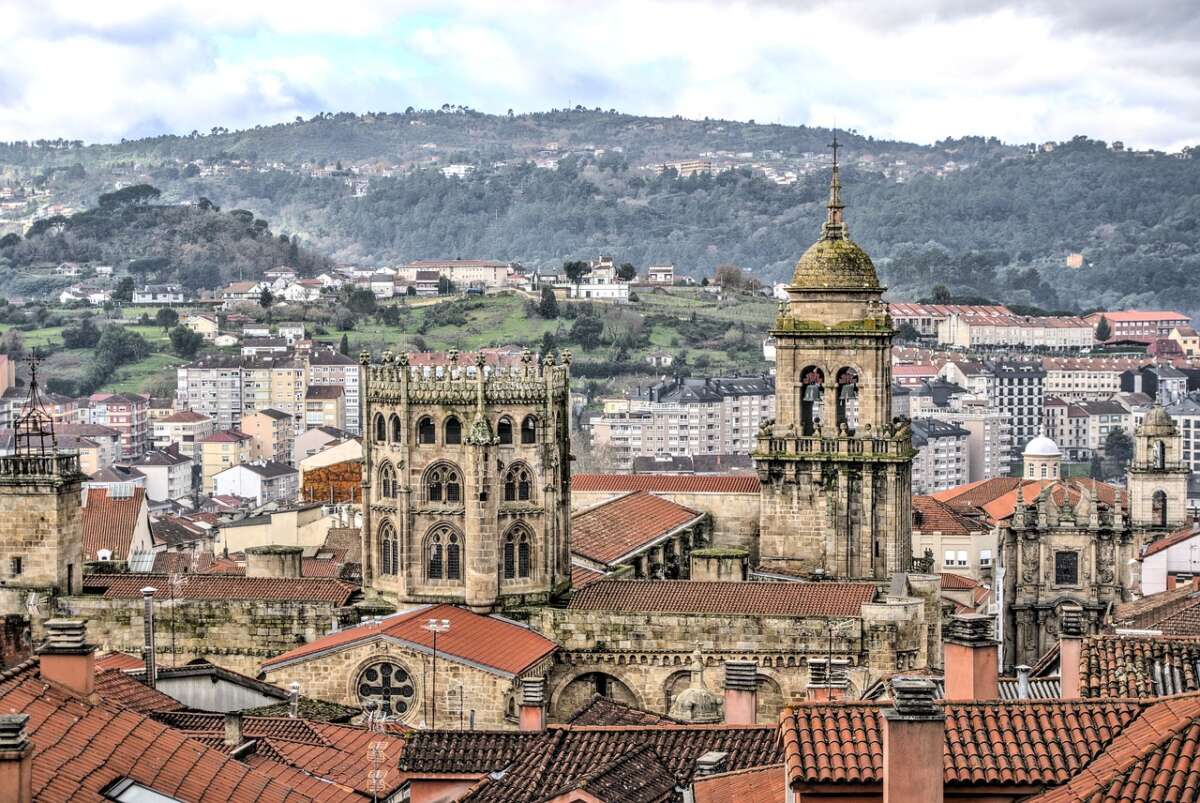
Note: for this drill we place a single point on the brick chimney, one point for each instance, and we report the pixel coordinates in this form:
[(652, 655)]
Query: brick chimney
[(66, 658), (1070, 650), (233, 728), (532, 714), (148, 635), (16, 758), (971, 656), (914, 742), (741, 692)]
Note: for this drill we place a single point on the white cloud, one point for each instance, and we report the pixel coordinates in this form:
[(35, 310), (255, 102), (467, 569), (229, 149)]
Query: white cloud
[(1026, 71)]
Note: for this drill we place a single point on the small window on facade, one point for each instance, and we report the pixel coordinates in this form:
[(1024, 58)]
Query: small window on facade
[(397, 429), (529, 430), (1066, 568), (453, 430), (380, 429), (426, 431), (15, 566), (504, 431)]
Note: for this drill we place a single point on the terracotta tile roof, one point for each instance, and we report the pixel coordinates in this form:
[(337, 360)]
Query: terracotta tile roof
[(1184, 622), (753, 785), (975, 495), (1167, 541), (185, 417), (582, 576), (1147, 612), (1154, 759), (957, 582), (668, 483), (320, 567), (114, 685), (566, 755), (614, 529), (334, 752), (108, 522), (1139, 666), (994, 743), (931, 515), (80, 749), (463, 752), (225, 436), (486, 641), (729, 598), (118, 660), (637, 776), (318, 788), (216, 586), (601, 710)]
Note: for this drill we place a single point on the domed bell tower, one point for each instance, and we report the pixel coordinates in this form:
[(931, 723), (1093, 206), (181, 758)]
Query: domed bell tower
[(836, 469)]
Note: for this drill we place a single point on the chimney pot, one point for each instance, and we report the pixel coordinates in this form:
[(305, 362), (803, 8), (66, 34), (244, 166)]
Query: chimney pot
[(66, 658), (914, 739), (16, 758), (741, 692), (1070, 650), (532, 713), (1023, 689), (233, 728), (711, 763), (971, 658), (294, 700)]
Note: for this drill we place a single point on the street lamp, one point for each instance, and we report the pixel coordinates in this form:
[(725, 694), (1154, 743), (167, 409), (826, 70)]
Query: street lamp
[(435, 626)]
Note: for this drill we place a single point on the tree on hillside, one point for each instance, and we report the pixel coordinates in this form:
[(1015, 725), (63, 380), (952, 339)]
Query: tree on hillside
[(344, 345), (445, 286), (362, 301), (548, 306), (185, 342), (586, 332), (83, 335), (137, 195), (166, 318), (576, 270), (1103, 330), (731, 277), (941, 294), (627, 272), (265, 300), (124, 289)]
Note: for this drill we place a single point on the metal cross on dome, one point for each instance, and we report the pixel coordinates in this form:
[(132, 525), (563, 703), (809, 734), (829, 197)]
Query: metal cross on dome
[(33, 431), (835, 145)]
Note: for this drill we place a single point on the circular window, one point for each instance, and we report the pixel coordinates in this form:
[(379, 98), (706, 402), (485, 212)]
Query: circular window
[(389, 684)]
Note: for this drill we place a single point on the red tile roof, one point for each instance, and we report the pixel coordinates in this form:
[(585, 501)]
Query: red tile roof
[(1139, 666), (601, 710), (216, 586), (986, 743), (114, 685), (612, 530), (487, 641), (1184, 622), (185, 417), (1167, 541), (957, 582), (225, 436), (108, 522), (753, 785), (80, 749), (727, 598), (582, 576), (320, 567), (931, 515), (1147, 612), (668, 483), (118, 660)]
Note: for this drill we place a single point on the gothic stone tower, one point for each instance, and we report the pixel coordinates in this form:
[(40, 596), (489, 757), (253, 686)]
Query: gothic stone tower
[(1067, 550), (836, 470), (1158, 477), (41, 529), (466, 481)]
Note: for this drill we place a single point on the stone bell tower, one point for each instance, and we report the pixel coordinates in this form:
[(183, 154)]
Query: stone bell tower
[(836, 470), (41, 531), (1158, 477)]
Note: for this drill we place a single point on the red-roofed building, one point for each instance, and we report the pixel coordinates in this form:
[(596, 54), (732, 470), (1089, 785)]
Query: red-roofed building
[(1171, 561), (650, 534), (116, 526), (390, 659)]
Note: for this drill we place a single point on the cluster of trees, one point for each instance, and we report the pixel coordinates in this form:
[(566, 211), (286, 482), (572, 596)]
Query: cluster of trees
[(112, 346)]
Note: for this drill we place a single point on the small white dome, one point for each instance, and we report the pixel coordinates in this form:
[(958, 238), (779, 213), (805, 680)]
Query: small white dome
[(1041, 446)]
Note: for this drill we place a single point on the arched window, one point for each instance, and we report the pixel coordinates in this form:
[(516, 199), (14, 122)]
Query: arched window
[(812, 399), (389, 549), (453, 430), (1158, 509), (529, 430), (516, 553), (518, 484), (1160, 455), (847, 399), (504, 431), (443, 553), (443, 483), (426, 431), (380, 429), (397, 429), (387, 481)]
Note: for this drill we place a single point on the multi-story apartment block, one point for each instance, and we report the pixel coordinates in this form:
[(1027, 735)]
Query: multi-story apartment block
[(185, 428), (1165, 384), (978, 331), (129, 414), (107, 440), (272, 434), (941, 460), (1104, 417), (219, 451), (926, 318), (1018, 391), (687, 417), (325, 406), (212, 385), (329, 367), (1066, 424), (989, 436), (1139, 324), (168, 473), (1186, 415), (276, 382), (1085, 378)]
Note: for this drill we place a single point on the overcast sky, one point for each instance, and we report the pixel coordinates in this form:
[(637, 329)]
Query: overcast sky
[(917, 70)]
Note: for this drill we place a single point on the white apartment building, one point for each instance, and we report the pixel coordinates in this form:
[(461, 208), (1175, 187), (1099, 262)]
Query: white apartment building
[(1139, 324), (463, 272), (686, 417), (941, 461), (185, 428), (1185, 413), (975, 331), (1085, 378), (329, 367), (168, 473), (989, 437)]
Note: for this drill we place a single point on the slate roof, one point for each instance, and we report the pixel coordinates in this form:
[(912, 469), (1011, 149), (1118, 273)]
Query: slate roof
[(1147, 612), (216, 586), (108, 523), (668, 483), (615, 529), (601, 710), (81, 749), (566, 756), (1004, 743), (726, 598), (489, 642), (463, 752)]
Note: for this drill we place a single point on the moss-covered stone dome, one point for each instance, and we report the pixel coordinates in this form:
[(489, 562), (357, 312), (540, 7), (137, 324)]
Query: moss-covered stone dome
[(836, 263)]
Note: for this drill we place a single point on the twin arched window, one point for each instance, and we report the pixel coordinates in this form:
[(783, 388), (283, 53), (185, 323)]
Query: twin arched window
[(389, 549), (388, 487), (443, 483), (443, 553), (516, 553), (518, 484)]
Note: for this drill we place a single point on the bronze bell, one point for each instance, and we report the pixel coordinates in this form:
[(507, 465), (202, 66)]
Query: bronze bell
[(812, 392)]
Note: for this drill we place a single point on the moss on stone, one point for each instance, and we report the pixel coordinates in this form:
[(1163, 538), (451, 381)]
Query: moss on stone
[(835, 263), (720, 552)]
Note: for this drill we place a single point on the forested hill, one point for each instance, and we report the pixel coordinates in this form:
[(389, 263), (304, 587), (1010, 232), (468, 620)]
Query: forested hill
[(999, 226)]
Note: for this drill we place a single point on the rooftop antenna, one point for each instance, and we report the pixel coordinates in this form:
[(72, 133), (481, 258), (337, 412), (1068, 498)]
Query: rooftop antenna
[(34, 428)]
